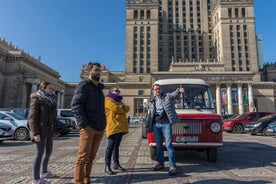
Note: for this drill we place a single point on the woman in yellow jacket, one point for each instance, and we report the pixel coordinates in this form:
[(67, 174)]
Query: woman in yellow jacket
[(116, 127)]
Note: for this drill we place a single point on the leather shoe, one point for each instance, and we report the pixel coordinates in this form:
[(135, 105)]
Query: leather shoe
[(108, 170), (118, 167)]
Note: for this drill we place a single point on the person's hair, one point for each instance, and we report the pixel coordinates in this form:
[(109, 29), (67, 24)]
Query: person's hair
[(86, 68), (112, 88), (154, 85), (43, 85)]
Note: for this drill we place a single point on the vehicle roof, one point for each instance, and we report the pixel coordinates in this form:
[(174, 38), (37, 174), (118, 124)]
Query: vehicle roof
[(180, 81)]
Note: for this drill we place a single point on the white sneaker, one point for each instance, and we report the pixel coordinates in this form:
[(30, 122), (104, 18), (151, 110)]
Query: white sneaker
[(48, 174), (41, 181)]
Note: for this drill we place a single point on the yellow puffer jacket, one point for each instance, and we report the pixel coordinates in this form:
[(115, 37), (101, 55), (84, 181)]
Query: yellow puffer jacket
[(116, 120)]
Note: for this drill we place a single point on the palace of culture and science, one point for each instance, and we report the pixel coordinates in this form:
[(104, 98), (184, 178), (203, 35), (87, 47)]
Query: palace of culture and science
[(214, 40)]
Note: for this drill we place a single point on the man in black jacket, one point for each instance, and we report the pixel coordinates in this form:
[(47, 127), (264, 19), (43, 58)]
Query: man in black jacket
[(88, 108)]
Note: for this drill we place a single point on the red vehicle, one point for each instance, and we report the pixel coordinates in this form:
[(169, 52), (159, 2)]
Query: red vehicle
[(237, 124), (200, 127)]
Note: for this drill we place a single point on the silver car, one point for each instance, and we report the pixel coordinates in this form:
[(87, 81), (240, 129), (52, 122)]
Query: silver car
[(18, 124)]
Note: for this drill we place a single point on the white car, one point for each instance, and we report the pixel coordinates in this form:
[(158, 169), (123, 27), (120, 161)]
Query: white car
[(135, 120), (67, 113), (18, 124)]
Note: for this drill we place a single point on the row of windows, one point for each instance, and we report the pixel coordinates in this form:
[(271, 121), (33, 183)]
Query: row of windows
[(236, 12), (141, 14), (141, 70)]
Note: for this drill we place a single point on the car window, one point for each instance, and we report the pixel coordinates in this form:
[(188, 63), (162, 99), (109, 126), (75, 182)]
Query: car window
[(263, 114), (253, 116), (16, 116), (66, 113), (3, 116)]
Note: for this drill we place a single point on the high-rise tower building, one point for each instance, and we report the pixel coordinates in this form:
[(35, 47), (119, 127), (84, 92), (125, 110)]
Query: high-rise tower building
[(218, 33)]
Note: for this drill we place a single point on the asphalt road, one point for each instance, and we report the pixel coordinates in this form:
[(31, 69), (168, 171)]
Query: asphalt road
[(243, 159)]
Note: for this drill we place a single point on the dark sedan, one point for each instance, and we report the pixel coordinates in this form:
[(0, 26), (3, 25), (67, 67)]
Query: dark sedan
[(259, 126)]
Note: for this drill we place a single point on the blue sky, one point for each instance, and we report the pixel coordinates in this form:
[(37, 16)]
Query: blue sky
[(69, 33)]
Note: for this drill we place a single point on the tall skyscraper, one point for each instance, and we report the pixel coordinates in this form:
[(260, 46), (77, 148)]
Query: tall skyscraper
[(218, 33)]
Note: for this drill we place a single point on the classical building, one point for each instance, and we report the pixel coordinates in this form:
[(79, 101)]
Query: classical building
[(214, 40), (20, 75)]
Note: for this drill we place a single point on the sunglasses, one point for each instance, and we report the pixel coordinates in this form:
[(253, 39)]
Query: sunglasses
[(117, 91)]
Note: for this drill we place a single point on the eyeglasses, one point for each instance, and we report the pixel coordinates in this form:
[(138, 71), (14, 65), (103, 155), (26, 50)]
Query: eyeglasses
[(156, 89), (117, 91), (97, 70)]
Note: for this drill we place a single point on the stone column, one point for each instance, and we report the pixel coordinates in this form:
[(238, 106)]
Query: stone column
[(229, 99), (24, 96), (61, 98), (240, 99), (218, 99), (251, 104), (58, 99)]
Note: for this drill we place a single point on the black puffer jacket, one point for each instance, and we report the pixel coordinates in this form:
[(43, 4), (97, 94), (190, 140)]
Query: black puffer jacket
[(88, 105), (42, 117)]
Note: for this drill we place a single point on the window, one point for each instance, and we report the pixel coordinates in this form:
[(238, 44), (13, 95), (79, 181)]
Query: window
[(141, 92)]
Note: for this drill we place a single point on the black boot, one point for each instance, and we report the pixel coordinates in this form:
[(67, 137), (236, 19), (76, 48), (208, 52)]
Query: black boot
[(108, 170), (117, 166)]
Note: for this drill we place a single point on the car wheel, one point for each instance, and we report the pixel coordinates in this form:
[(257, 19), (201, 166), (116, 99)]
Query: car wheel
[(153, 154), (237, 128), (212, 154), (21, 134)]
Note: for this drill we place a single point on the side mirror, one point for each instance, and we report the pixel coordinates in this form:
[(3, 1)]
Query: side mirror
[(145, 103)]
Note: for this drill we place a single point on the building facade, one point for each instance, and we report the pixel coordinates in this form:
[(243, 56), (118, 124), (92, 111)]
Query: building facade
[(20, 75), (214, 40)]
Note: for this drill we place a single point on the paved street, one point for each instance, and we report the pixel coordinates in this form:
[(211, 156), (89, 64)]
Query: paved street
[(243, 159)]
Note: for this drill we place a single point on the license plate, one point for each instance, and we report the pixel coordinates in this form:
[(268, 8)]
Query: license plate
[(180, 139)]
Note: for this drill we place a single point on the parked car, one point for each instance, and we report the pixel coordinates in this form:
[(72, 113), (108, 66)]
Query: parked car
[(18, 124), (134, 120), (271, 129), (259, 126), (229, 116), (67, 113), (237, 124), (6, 132), (64, 126)]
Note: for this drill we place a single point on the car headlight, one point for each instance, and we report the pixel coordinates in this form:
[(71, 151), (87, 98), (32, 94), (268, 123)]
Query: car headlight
[(215, 127), (257, 124)]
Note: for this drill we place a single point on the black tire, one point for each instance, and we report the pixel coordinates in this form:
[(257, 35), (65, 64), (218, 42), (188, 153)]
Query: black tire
[(21, 134), (212, 154), (237, 128), (153, 154), (1, 141)]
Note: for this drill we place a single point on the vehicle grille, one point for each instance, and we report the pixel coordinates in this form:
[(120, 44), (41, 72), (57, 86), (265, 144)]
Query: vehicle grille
[(194, 127)]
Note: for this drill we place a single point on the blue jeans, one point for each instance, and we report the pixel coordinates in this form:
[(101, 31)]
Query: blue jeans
[(159, 131), (43, 148), (112, 148)]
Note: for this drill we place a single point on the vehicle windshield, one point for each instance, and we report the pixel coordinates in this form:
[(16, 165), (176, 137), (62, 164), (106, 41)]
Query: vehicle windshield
[(195, 96), (66, 113), (16, 116)]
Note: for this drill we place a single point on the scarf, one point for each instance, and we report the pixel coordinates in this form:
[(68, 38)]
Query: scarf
[(115, 97), (47, 97)]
